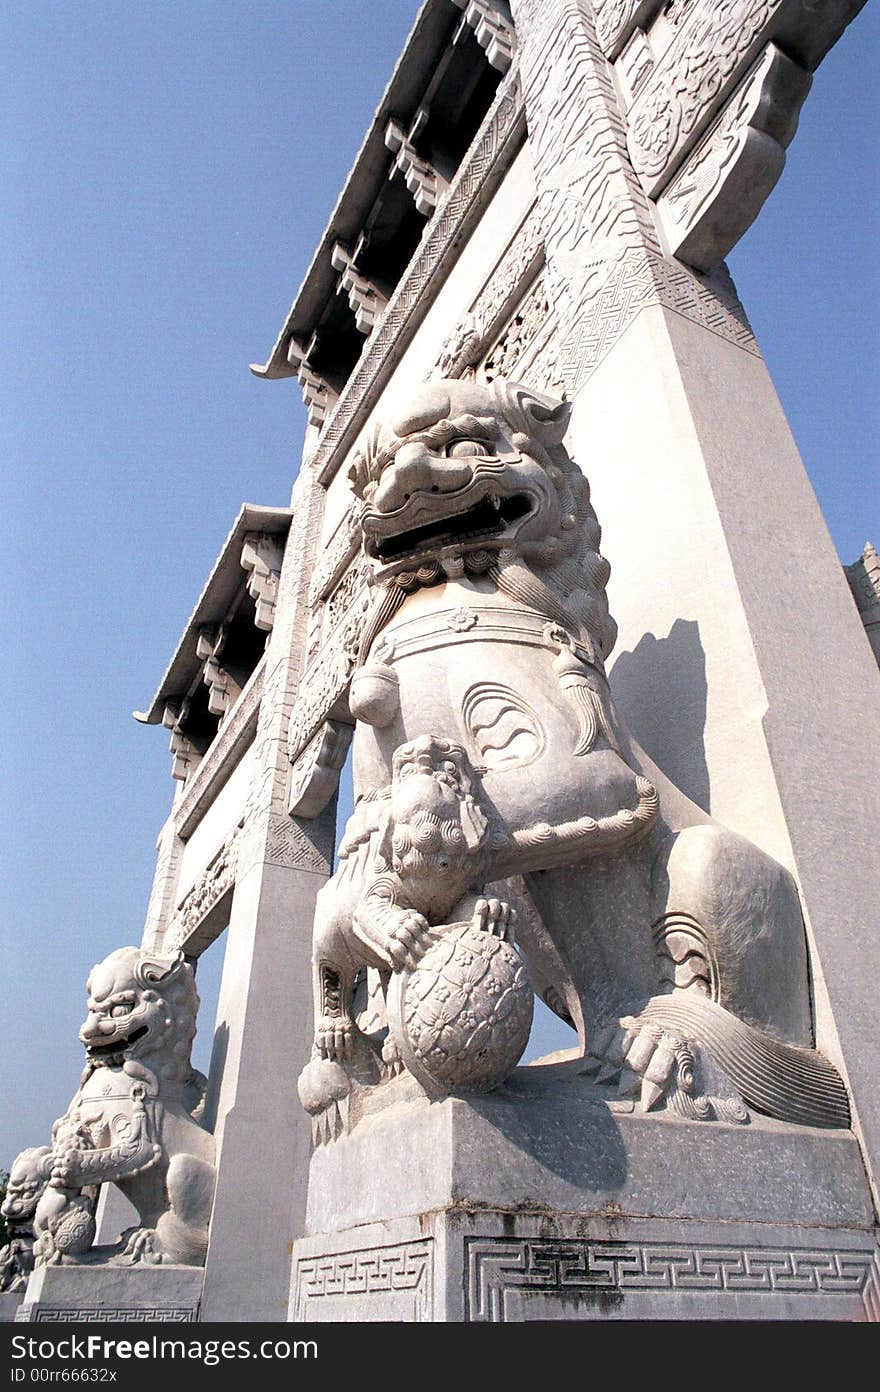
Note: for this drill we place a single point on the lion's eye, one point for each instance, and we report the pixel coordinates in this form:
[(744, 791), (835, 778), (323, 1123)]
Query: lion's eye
[(121, 1010), (465, 449)]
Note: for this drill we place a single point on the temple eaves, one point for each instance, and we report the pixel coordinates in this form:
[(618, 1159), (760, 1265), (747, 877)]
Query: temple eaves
[(450, 60), (225, 582)]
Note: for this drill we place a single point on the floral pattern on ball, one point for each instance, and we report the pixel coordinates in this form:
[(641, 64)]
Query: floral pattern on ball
[(466, 1011)]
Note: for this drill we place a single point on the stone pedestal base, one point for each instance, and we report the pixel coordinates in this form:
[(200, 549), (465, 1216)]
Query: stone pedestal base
[(9, 1304), (542, 1201), (104, 1294)]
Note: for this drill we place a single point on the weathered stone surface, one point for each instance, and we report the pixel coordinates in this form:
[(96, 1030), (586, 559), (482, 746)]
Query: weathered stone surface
[(10, 1303), (105, 1293), (566, 1209), (489, 1267), (549, 1140)]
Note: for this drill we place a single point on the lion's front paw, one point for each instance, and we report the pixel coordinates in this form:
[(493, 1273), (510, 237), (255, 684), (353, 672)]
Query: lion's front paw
[(495, 916), (141, 1245), (392, 1060), (408, 941), (654, 1065), (333, 1038), (45, 1253)]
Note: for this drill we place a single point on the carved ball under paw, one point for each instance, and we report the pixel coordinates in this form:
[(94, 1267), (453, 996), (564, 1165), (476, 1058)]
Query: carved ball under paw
[(323, 1089), (320, 1083), (461, 1018), (74, 1232)]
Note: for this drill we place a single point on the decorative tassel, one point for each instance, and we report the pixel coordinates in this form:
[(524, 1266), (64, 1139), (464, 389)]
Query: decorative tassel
[(588, 704)]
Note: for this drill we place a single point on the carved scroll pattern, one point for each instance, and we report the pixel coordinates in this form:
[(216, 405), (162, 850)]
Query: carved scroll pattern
[(517, 267), (350, 587), (326, 680), (315, 775), (506, 357), (713, 42), (616, 20), (340, 550)]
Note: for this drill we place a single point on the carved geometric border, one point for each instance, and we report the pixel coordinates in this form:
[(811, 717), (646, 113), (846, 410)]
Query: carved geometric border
[(641, 279), (403, 1266), (122, 1314), (579, 1269)]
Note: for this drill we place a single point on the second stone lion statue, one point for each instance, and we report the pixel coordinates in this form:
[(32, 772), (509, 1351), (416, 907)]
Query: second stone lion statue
[(488, 746), (131, 1122)]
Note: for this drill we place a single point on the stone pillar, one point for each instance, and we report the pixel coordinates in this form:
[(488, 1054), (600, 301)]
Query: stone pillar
[(735, 617), (169, 848), (264, 1023)]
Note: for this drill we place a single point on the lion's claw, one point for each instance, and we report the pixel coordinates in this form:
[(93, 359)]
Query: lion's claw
[(494, 916), (333, 1038), (653, 1065), (141, 1245), (408, 941)]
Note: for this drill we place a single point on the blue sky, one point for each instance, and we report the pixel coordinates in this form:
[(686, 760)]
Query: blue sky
[(168, 169)]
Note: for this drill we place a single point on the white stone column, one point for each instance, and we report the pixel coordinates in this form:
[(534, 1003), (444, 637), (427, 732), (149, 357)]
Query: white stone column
[(741, 662), (264, 1021), (169, 848)]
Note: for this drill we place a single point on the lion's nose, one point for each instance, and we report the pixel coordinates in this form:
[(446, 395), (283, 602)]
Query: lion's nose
[(416, 470), (95, 1026)]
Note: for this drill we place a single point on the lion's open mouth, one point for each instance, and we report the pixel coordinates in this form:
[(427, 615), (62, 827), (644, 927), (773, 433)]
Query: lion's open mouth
[(116, 1045), (490, 517)]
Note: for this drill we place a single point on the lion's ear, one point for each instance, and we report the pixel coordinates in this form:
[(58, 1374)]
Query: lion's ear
[(537, 414), (151, 971)]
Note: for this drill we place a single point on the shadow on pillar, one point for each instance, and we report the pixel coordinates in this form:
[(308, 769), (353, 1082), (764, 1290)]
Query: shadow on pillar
[(660, 689), (215, 1075)]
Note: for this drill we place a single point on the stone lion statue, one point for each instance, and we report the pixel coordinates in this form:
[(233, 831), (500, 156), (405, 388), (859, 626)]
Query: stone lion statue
[(27, 1180), (488, 746), (133, 1119)]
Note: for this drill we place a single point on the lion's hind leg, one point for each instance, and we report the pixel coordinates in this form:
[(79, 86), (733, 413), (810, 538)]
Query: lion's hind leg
[(728, 924)]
